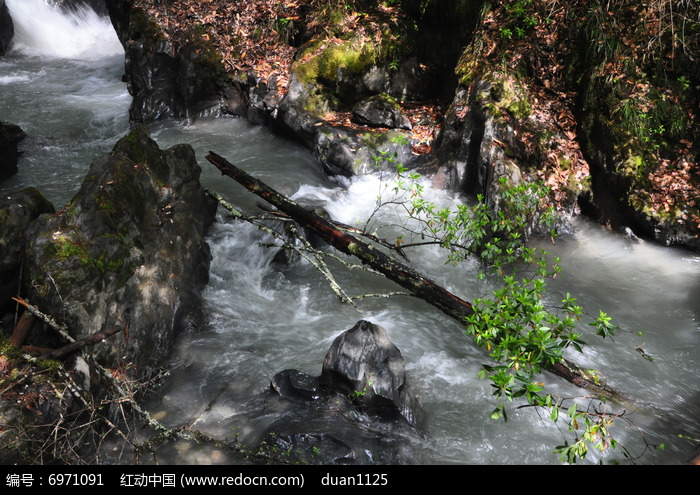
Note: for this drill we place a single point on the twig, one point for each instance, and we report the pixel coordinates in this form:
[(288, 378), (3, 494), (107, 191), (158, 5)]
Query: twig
[(385, 295), (114, 380), (317, 260)]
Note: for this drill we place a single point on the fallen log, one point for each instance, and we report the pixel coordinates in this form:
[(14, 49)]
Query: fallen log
[(351, 245), (406, 277)]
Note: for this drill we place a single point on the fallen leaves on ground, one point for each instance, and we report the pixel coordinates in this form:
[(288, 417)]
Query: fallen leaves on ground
[(259, 36)]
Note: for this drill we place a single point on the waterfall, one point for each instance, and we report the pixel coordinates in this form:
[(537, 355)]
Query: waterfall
[(61, 82), (47, 31)]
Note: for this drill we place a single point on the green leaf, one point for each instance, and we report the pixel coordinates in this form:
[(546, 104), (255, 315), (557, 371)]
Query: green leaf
[(498, 413)]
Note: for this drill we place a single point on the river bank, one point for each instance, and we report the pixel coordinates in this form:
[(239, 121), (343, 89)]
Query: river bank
[(308, 64)]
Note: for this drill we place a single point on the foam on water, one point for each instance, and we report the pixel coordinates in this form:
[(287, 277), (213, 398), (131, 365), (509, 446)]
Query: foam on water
[(44, 30)]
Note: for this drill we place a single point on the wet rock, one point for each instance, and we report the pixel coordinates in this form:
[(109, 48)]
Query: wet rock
[(10, 137), (17, 210), (295, 385), (7, 29), (364, 366), (127, 252), (166, 80), (262, 101), (480, 152), (360, 410), (380, 111), (343, 151), (363, 363)]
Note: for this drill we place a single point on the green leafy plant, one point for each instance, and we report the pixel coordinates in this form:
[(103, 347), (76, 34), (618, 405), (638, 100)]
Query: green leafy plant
[(521, 332), (522, 17), (356, 395)]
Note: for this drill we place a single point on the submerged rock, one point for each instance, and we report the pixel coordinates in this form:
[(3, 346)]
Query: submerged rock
[(127, 252)]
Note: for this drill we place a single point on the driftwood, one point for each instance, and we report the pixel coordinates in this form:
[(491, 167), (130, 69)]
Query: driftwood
[(418, 285)]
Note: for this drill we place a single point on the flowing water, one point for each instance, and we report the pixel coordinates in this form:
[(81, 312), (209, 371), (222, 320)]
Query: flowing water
[(264, 317)]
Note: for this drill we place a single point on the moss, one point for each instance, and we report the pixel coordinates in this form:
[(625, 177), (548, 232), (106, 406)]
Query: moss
[(470, 62), (208, 62), (50, 365), (634, 167), (66, 246), (505, 96), (375, 139), (320, 101), (327, 60), (8, 350), (511, 96), (140, 153), (145, 29)]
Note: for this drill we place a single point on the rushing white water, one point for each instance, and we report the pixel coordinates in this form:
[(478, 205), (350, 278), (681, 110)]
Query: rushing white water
[(43, 30), (62, 84), (265, 317)]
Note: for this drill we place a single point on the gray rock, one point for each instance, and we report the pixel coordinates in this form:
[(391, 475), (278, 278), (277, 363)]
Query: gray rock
[(127, 252), (17, 210), (363, 363), (165, 80), (380, 111), (360, 410)]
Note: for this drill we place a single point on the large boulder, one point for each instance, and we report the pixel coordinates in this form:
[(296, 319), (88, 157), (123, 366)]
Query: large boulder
[(127, 252)]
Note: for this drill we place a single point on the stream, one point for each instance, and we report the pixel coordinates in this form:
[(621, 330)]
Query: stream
[(64, 89)]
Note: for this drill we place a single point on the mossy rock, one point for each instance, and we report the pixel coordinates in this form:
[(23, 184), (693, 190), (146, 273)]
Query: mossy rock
[(128, 251)]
